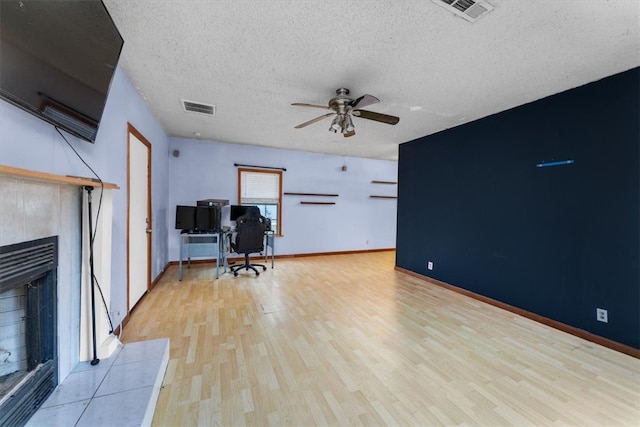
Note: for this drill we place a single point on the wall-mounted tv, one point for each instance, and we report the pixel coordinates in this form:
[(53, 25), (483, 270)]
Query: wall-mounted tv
[(57, 60)]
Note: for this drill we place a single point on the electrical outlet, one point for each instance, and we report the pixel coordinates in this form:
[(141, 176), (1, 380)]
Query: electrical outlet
[(602, 315), (430, 265)]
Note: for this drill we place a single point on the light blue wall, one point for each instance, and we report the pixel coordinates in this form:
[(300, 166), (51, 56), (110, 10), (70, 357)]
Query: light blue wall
[(29, 143), (205, 169)]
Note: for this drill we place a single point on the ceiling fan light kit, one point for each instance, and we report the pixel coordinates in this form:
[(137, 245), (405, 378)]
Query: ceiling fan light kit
[(348, 124), (344, 107), (335, 124)]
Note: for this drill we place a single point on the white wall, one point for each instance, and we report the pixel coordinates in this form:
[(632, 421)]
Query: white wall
[(205, 169)]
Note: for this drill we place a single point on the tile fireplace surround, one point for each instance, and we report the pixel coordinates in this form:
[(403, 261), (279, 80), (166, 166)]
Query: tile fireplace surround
[(34, 205), (30, 210)]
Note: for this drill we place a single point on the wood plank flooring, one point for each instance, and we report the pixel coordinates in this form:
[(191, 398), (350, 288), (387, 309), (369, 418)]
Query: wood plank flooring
[(346, 340)]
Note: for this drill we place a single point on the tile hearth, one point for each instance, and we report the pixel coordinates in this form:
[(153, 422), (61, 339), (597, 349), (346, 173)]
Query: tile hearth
[(121, 390)]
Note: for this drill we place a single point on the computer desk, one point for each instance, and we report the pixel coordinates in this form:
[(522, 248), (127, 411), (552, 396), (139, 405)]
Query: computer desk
[(214, 245), (203, 245)]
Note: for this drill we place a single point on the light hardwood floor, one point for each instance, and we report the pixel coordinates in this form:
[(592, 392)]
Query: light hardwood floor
[(347, 340)]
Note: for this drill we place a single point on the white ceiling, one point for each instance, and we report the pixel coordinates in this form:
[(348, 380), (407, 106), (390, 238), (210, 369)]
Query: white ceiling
[(434, 70)]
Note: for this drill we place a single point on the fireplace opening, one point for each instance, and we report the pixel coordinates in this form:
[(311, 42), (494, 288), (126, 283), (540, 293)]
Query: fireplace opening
[(28, 328)]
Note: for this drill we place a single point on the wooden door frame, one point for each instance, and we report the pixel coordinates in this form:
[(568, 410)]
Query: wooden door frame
[(132, 130)]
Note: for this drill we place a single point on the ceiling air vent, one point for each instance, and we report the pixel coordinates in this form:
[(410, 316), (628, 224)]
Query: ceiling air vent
[(198, 107), (468, 9)]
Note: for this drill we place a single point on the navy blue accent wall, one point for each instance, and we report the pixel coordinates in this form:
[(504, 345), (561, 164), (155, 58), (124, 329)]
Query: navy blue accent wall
[(558, 241)]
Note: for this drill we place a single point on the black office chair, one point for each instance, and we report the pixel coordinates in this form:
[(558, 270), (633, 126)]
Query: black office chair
[(249, 239)]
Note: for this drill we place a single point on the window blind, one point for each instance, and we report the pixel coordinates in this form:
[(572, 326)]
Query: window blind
[(260, 187)]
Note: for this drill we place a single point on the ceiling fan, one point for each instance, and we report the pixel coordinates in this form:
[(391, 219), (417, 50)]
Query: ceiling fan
[(343, 107)]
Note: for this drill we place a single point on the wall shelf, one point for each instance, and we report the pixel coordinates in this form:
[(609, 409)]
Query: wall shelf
[(384, 182), (310, 194), (48, 177), (383, 197), (317, 203)]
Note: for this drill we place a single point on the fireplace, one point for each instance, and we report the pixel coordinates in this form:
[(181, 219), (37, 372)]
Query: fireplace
[(28, 323)]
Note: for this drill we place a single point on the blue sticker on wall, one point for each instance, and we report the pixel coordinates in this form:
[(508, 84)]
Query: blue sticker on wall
[(558, 163)]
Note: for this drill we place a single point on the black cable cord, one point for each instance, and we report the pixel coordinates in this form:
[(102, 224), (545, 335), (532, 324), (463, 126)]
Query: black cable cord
[(92, 238), (104, 303), (96, 175)]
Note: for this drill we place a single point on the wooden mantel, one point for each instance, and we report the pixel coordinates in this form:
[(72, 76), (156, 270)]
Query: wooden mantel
[(49, 177)]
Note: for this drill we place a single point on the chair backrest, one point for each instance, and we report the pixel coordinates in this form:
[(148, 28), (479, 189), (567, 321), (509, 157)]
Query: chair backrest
[(252, 212), (250, 233)]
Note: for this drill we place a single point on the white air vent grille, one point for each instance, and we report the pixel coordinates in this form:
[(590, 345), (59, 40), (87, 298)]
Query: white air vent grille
[(198, 107), (468, 9)]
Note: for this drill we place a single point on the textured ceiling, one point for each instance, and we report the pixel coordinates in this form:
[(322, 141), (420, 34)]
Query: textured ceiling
[(434, 70)]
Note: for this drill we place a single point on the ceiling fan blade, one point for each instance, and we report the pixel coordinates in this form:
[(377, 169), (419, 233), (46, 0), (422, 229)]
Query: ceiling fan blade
[(364, 100), (378, 117), (301, 104), (348, 134), (312, 121)]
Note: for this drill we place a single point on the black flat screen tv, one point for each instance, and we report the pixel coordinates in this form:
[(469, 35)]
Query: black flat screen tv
[(57, 61)]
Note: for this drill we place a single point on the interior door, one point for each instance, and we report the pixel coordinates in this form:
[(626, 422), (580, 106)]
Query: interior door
[(139, 217)]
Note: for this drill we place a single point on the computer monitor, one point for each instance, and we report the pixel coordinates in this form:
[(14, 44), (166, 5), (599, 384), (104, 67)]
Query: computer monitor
[(237, 211), (185, 217), (198, 218)]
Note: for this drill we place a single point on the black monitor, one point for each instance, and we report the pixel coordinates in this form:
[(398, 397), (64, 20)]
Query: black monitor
[(208, 218), (198, 218), (185, 217), (237, 211)]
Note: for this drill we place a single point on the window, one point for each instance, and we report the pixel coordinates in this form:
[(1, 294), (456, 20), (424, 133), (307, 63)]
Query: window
[(262, 188)]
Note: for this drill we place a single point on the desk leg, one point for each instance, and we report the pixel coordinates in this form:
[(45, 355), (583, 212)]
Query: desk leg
[(181, 256), (218, 258), (270, 244), (222, 251)]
